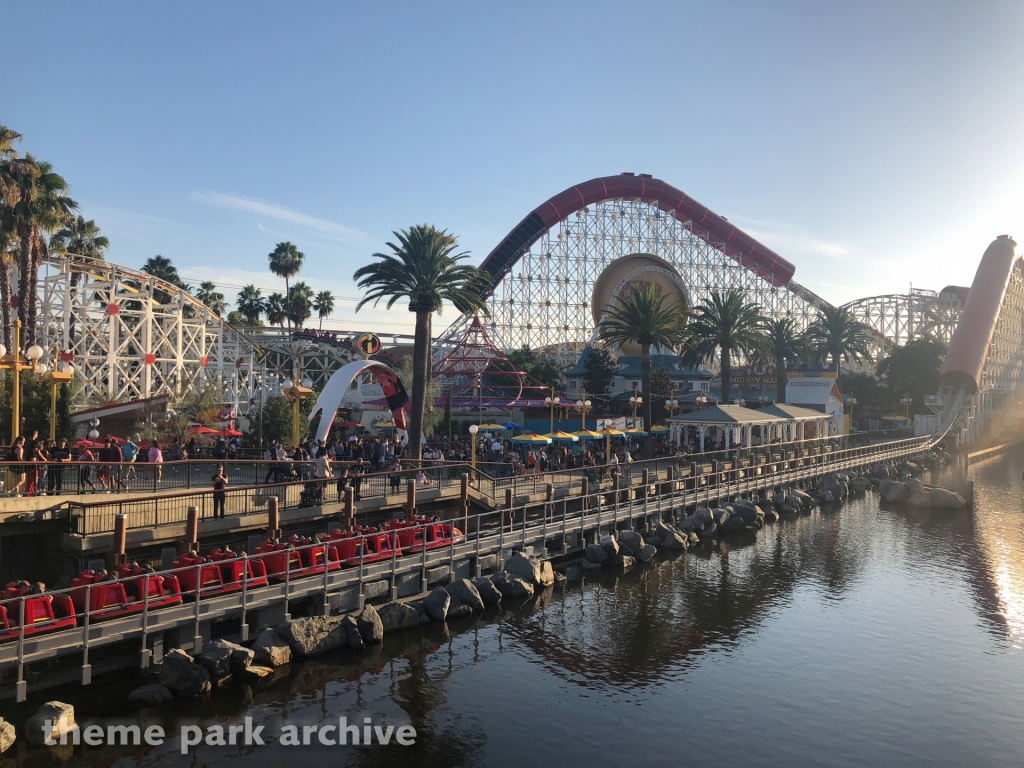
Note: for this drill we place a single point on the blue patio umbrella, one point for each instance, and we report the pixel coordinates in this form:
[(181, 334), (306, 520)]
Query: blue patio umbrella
[(512, 425)]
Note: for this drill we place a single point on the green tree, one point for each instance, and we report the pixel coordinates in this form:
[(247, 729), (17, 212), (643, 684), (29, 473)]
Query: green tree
[(211, 297), (913, 369), (869, 391), (250, 304), (783, 344), (286, 261), (446, 417), (277, 417), (300, 301), (425, 269), (9, 251), (641, 316), (598, 371), (838, 334), (275, 309), (324, 305), (161, 268), (542, 368), (724, 323)]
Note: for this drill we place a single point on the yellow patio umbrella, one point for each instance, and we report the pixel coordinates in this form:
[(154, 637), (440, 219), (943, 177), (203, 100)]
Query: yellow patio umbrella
[(634, 432), (492, 427), (532, 439), (609, 433), (588, 434), (659, 428), (564, 436)]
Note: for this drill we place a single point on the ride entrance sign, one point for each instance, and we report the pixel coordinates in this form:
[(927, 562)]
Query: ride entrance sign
[(368, 344)]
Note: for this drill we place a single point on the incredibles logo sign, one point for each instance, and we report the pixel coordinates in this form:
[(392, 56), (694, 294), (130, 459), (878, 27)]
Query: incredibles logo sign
[(368, 344)]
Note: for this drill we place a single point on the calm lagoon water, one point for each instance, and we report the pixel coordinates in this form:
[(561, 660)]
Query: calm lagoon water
[(853, 637)]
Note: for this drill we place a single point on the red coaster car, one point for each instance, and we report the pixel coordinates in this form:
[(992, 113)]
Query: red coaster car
[(366, 544), (163, 590), (43, 612), (231, 569), (411, 533), (188, 568), (281, 556)]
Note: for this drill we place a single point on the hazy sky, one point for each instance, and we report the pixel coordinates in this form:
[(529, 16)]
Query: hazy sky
[(873, 145)]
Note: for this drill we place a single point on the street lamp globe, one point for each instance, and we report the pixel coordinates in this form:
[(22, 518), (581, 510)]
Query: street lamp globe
[(34, 352), (42, 368), (307, 382), (93, 434), (586, 404), (473, 429), (286, 384), (579, 403), (67, 368), (3, 351)]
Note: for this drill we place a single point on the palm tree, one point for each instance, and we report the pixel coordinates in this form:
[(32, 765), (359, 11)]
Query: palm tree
[(300, 298), (83, 239), (9, 256), (43, 205), (838, 334), (324, 305), (286, 261), (423, 268), (723, 323), (274, 308), (250, 303), (783, 343), (643, 318), (211, 297), (161, 267), (8, 186)]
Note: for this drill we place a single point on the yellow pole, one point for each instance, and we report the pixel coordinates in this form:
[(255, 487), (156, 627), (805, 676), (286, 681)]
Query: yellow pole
[(53, 411), (472, 452), (551, 408), (583, 412), (16, 369), (295, 423)]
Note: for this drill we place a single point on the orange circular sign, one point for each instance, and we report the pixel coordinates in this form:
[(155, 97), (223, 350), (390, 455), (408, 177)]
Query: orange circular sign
[(368, 344)]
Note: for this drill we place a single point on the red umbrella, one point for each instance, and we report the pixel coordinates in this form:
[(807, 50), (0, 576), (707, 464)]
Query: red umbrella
[(229, 433), (347, 424), (118, 440), (201, 430), (83, 443)]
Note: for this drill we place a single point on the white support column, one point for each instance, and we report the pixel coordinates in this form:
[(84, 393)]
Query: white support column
[(179, 360)]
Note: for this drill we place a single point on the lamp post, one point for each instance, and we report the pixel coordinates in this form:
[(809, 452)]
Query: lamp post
[(14, 362), (701, 401), (905, 401), (635, 401), (552, 402), (58, 376), (852, 401), (671, 405), (94, 432), (297, 392), (583, 406), (473, 429)]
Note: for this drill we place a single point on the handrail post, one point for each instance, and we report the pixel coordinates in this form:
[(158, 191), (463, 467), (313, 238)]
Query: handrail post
[(197, 638), (22, 686), (144, 655), (245, 584), (287, 581), (86, 667), (423, 560)]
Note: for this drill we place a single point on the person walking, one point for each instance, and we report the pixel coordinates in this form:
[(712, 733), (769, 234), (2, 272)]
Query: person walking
[(130, 451), (156, 458), (323, 472), (220, 482), (59, 455), (17, 454), (85, 471)]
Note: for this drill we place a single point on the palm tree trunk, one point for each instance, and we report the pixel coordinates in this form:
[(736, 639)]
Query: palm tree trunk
[(726, 375), (5, 301), (287, 304), (420, 353), (38, 246), (645, 379), (24, 265), (780, 380)]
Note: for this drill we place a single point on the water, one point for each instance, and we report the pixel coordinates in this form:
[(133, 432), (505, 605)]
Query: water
[(845, 638)]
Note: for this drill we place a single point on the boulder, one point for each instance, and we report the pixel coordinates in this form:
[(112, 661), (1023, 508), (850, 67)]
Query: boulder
[(898, 493), (826, 497), (512, 586), (524, 567), (610, 545), (943, 498), (588, 565), (255, 672), (631, 539), (394, 617), (734, 523), (486, 589), (8, 734), (371, 628), (465, 592), (646, 552), (61, 717), (785, 509), (459, 610), (721, 515), (674, 541), (150, 695), (859, 485), (219, 657), (921, 498), (595, 553), (560, 580), (313, 635), (184, 677), (270, 650), (436, 604), (353, 637), (771, 516), (547, 574)]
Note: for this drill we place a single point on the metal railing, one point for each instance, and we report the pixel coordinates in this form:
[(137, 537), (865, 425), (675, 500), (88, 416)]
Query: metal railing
[(486, 533)]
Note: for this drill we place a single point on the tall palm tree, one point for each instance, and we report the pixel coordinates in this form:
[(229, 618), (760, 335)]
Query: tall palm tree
[(838, 334), (161, 267), (211, 297), (8, 186), (43, 206), (642, 317), (724, 323), (425, 269), (783, 343), (250, 303), (79, 238), (324, 306), (275, 309), (300, 299), (9, 257), (286, 261)]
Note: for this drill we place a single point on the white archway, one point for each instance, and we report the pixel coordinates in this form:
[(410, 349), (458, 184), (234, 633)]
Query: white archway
[(338, 385)]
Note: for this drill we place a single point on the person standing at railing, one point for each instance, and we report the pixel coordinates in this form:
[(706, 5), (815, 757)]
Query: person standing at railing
[(117, 461), (356, 478), (174, 451), (396, 476), (220, 483), (130, 451), (59, 455), (85, 471), (323, 472), (192, 451), (156, 458)]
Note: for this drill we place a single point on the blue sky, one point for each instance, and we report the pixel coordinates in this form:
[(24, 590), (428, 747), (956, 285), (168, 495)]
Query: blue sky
[(874, 145)]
